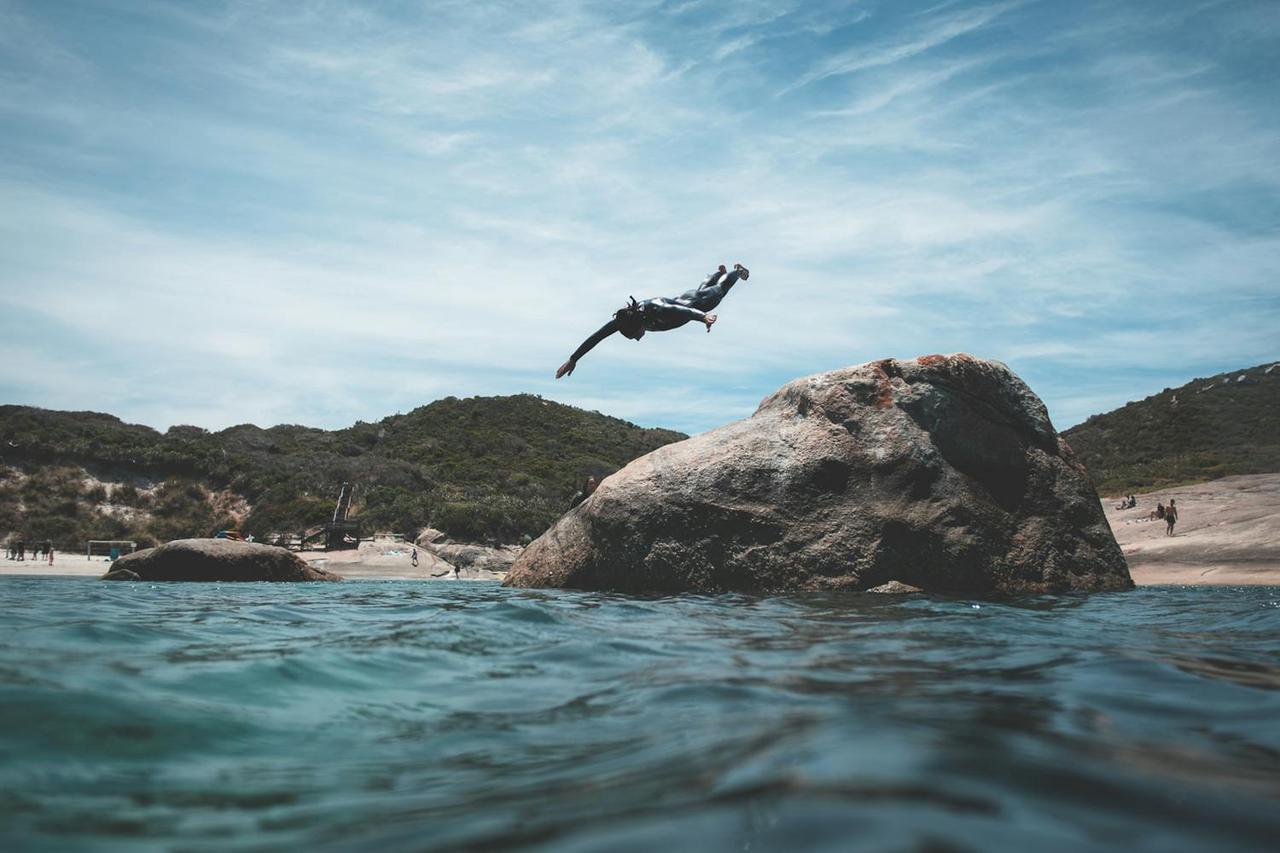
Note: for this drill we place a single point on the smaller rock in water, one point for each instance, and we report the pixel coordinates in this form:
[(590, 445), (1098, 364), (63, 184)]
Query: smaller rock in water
[(215, 560)]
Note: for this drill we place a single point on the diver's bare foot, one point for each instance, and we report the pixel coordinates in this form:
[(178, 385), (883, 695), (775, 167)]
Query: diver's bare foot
[(566, 368), (709, 319)]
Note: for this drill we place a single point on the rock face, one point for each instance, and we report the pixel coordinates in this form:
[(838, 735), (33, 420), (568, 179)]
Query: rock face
[(215, 560), (479, 561), (429, 536), (942, 472), (478, 558)]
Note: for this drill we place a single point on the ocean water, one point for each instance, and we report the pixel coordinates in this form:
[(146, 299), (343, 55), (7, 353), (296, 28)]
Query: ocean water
[(421, 716)]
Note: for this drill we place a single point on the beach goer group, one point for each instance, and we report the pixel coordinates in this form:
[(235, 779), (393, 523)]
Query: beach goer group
[(16, 549), (1167, 514)]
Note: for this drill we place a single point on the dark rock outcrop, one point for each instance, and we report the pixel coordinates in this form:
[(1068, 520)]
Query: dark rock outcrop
[(942, 472), (478, 558), (471, 560), (215, 560)]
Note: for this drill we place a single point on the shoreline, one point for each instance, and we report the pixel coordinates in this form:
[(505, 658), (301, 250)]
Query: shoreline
[(1228, 534), (1172, 575)]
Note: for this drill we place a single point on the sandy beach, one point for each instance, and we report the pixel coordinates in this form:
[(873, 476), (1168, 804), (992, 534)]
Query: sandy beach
[(376, 559), (64, 565), (1228, 532), (388, 560)]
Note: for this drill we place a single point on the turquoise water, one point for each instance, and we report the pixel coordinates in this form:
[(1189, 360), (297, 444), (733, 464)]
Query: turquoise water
[(417, 716)]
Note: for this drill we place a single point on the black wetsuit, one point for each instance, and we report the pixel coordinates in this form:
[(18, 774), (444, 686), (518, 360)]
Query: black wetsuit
[(707, 295), (662, 314)]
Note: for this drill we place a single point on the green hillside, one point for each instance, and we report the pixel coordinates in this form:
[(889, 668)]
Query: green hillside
[(496, 468), (1208, 428)]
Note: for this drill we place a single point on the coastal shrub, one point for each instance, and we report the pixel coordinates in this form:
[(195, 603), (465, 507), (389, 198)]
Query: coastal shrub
[(125, 494), (510, 464), (1206, 429)]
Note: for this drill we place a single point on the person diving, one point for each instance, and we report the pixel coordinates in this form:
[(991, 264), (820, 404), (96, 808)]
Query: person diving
[(662, 314)]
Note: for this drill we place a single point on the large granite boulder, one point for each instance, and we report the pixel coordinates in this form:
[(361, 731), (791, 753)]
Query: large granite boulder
[(215, 560), (942, 472)]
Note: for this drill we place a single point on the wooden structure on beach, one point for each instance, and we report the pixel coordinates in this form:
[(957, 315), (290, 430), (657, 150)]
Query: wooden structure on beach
[(340, 533)]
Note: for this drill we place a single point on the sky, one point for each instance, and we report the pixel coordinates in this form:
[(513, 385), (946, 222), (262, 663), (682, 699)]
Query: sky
[(320, 212)]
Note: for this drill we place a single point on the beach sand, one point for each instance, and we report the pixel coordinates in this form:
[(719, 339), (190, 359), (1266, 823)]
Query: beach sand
[(1228, 532), (376, 559), (64, 565), (391, 560)]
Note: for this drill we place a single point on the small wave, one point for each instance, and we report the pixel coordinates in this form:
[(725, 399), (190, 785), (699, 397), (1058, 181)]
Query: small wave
[(418, 716)]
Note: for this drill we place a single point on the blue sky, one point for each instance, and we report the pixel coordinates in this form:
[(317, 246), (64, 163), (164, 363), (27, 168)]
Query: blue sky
[(318, 212)]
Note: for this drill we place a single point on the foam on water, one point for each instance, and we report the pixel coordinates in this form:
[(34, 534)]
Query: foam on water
[(403, 715)]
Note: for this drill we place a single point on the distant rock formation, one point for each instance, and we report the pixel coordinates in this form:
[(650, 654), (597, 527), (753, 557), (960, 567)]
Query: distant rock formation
[(471, 560), (942, 473), (215, 560)]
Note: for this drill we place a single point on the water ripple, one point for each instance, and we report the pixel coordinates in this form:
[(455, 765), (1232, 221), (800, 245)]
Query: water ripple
[(401, 715)]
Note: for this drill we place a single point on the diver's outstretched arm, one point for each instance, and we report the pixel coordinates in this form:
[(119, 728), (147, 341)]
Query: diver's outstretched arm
[(603, 332)]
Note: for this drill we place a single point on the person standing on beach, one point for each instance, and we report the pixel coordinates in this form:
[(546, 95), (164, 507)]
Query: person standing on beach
[(1171, 516), (49, 549), (22, 550)]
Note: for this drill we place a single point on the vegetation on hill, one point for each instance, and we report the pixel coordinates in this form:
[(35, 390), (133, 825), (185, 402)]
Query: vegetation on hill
[(1208, 428), (483, 468)]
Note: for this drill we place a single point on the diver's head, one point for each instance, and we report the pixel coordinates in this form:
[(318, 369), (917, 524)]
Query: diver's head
[(630, 320)]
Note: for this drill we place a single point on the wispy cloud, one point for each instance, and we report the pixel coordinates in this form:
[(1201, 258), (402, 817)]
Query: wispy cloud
[(319, 212), (935, 33)]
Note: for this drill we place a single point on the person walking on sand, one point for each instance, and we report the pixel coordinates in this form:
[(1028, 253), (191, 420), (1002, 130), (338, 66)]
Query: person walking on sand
[(1171, 516), (414, 558), (662, 314), (49, 550)]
